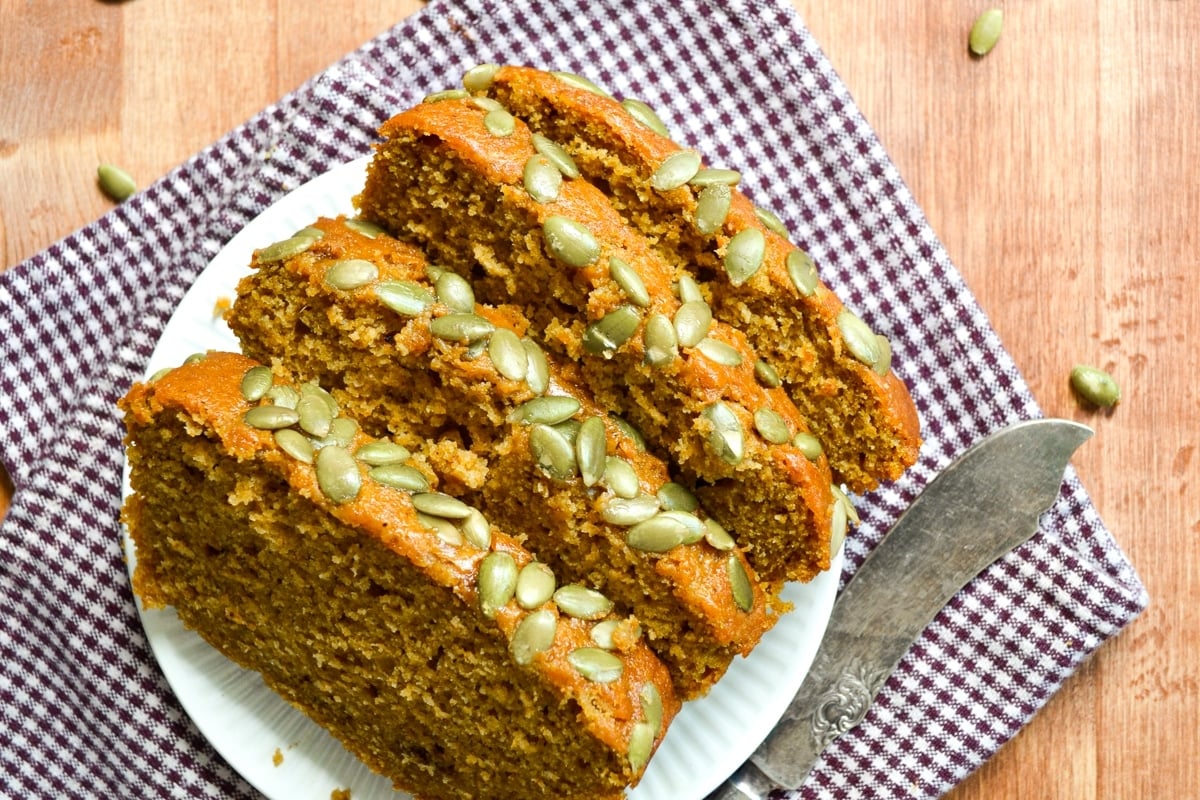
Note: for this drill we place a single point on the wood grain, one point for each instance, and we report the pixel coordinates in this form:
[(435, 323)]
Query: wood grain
[(1061, 171)]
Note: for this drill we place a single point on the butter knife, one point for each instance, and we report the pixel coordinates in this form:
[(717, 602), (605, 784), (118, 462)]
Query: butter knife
[(978, 508)]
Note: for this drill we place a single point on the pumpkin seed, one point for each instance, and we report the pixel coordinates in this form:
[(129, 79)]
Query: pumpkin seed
[(629, 511), (630, 282), (542, 179), (692, 321), (838, 525), (885, 355), (537, 370), (341, 432), (677, 497), (351, 273), (295, 444), (286, 248), (557, 155), (486, 103), (195, 358), (461, 328), (433, 272), (726, 437), (569, 428), (808, 445), (771, 221), (744, 255), (455, 292), (256, 383), (580, 82), (602, 633), (444, 528), (716, 535), (315, 416), (270, 418), (675, 170), (719, 352), (766, 374), (840, 496), (400, 476), (159, 374), (438, 504), (283, 396), (627, 428), (508, 354), (547, 410), (739, 583), (337, 474), (479, 77), (569, 241), (688, 290), (641, 745), (447, 94), (712, 208), (659, 341), (802, 271), (497, 581), (771, 425), (652, 705), (581, 602), (1095, 386), (499, 122), (406, 298), (986, 31), (591, 444), (711, 176), (552, 452), (535, 585), (115, 182), (612, 330), (477, 530), (646, 115), (534, 634), (365, 227), (859, 338), (377, 454), (595, 664), (658, 534), (693, 525), (620, 476)]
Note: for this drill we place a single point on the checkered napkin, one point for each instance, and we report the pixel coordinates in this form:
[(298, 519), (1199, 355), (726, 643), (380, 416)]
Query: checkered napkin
[(84, 711)]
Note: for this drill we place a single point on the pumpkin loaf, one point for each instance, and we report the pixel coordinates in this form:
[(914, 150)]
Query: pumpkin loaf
[(472, 186), (406, 349), (835, 369), (433, 645)]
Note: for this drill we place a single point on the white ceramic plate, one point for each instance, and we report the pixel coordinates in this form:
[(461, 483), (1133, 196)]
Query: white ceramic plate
[(253, 728)]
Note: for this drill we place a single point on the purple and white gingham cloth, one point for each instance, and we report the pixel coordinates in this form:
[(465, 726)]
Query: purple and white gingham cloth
[(84, 711)]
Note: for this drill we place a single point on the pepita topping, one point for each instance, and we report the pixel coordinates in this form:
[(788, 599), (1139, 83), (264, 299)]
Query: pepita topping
[(676, 170), (646, 115), (569, 241), (351, 273)]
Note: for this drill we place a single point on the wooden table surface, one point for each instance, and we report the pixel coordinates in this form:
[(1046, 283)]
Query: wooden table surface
[(1062, 173)]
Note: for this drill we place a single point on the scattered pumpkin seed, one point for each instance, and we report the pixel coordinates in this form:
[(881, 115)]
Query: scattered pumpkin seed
[(365, 227), (985, 33), (497, 581), (712, 208), (341, 432), (652, 705), (542, 179), (660, 343), (337, 474), (719, 352), (270, 418), (569, 428), (726, 437), (256, 383), (479, 77), (739, 583), (591, 445), (557, 155), (840, 496), (115, 182), (486, 103), (433, 272), (400, 476), (477, 530), (159, 374), (1095, 386), (716, 535), (377, 454), (581, 602), (315, 415), (771, 221), (508, 354), (612, 330), (283, 396), (688, 290), (439, 504), (351, 273), (535, 585), (771, 425), (802, 271), (766, 374), (630, 282), (744, 255), (629, 511), (693, 525), (838, 525), (595, 664), (534, 634), (620, 476), (447, 94), (658, 534), (406, 298), (537, 370), (580, 82), (641, 745), (286, 248), (569, 241), (499, 122), (602, 633), (547, 410), (195, 358), (859, 338), (677, 497), (646, 115), (461, 328), (808, 445), (444, 528), (295, 444), (552, 452), (676, 170), (885, 355), (627, 428), (692, 321), (455, 292), (712, 176)]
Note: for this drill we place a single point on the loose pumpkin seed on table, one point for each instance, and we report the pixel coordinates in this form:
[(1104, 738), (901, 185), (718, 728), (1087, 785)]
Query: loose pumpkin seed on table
[(1095, 386), (115, 182), (985, 32)]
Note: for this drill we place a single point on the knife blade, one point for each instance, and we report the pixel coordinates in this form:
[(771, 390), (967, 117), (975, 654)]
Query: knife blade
[(978, 508)]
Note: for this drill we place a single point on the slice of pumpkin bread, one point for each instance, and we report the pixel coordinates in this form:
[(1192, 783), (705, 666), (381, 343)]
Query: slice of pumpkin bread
[(833, 366), (406, 349), (431, 644), (468, 183)]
